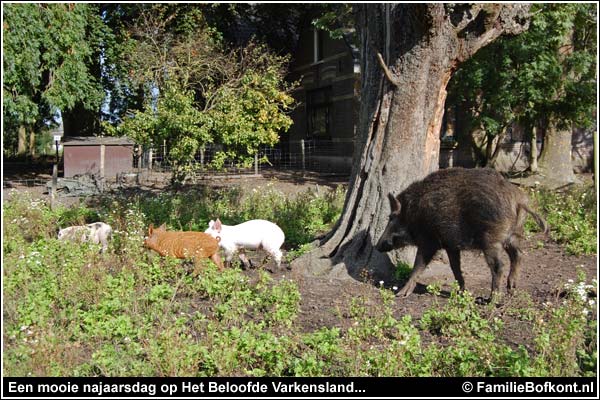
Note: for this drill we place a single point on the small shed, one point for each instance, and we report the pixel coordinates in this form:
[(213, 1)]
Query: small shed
[(95, 155)]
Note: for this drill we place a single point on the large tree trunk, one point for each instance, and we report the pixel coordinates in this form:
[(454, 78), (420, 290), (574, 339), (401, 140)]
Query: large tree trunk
[(31, 142), (22, 140), (555, 164), (400, 116), (533, 153), (496, 147)]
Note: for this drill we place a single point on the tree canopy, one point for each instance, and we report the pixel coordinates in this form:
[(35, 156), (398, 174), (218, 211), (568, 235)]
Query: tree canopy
[(198, 91), (155, 72), (47, 49), (546, 74)]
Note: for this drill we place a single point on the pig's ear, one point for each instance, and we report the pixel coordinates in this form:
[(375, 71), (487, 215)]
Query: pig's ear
[(217, 225), (210, 224), (150, 229), (163, 227), (394, 203)]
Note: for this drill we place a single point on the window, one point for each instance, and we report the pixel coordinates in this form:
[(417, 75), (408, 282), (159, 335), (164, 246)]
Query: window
[(319, 113), (318, 36)]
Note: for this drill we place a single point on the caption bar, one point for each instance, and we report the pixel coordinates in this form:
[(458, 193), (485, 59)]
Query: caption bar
[(298, 387)]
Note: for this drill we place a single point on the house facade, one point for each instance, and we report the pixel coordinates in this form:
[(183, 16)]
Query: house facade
[(327, 98), (324, 120)]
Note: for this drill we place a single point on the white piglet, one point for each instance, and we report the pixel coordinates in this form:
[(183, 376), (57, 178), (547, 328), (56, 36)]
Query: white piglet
[(252, 235), (97, 233)]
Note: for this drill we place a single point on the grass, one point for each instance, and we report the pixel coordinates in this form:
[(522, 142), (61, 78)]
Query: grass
[(72, 311), (571, 216)]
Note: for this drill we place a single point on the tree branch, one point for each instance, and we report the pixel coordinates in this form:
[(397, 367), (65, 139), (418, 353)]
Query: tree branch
[(386, 70), (498, 20)]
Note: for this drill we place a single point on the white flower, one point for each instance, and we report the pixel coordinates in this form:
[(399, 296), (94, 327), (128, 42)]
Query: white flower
[(395, 287), (380, 283), (23, 327)]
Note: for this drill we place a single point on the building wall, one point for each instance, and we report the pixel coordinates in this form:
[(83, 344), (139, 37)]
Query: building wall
[(514, 154), (118, 159), (333, 73), (79, 160)]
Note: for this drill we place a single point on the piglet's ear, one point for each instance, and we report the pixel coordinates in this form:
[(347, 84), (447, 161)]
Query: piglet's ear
[(163, 227), (210, 224), (150, 229), (217, 225)]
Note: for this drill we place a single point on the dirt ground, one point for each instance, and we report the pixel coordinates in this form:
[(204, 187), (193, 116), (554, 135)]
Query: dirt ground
[(326, 302)]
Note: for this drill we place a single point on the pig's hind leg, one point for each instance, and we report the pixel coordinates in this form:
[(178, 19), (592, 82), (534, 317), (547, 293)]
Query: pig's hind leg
[(514, 253), (454, 258)]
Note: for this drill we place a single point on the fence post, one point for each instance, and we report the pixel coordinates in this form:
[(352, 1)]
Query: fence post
[(256, 164), (102, 155), (596, 159), (303, 155), (149, 165), (54, 184)]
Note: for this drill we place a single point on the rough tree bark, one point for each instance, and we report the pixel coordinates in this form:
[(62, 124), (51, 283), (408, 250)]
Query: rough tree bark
[(533, 153), (555, 165), (22, 140), (401, 108), (31, 142)]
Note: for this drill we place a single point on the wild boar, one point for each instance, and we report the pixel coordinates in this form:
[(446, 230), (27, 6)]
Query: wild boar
[(457, 209), (183, 244)]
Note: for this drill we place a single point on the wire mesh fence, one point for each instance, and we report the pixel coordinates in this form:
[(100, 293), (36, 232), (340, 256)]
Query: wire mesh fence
[(14, 183), (323, 156)]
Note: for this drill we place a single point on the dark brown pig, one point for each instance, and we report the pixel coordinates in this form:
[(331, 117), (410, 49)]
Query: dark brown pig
[(457, 209)]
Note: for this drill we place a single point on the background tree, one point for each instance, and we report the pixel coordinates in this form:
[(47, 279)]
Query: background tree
[(47, 48), (572, 100), (484, 94), (196, 91), (544, 80), (400, 116)]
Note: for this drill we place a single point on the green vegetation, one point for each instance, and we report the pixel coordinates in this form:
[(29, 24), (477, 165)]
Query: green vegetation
[(71, 311), (240, 111), (542, 79), (158, 73), (571, 216), (47, 49)]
